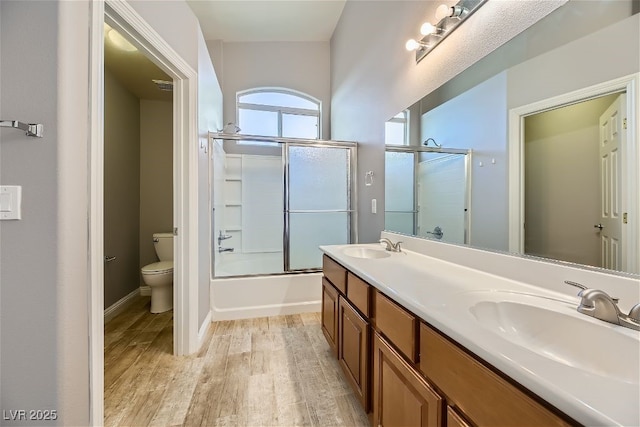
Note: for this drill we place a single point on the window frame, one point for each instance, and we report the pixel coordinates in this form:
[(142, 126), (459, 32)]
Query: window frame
[(280, 110), (405, 121)]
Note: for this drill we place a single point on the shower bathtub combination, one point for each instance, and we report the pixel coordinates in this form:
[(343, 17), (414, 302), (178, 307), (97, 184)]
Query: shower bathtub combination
[(274, 201)]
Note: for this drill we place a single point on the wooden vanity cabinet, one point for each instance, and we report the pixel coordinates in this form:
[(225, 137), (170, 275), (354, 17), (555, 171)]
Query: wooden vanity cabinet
[(409, 374), (485, 398), (329, 315), (353, 349), (454, 419), (401, 397)]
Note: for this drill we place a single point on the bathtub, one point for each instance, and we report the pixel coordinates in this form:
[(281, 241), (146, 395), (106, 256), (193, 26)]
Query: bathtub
[(258, 296), (240, 264)]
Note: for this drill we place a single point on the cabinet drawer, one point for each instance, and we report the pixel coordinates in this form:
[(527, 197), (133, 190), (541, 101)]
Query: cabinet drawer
[(455, 420), (397, 324), (358, 293), (481, 394), (335, 273)]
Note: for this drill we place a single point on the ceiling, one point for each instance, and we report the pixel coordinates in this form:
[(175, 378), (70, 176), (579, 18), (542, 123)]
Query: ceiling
[(267, 20), (134, 71), (230, 21)]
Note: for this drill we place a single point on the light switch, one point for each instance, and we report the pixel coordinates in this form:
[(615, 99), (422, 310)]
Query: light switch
[(10, 202), (374, 206)]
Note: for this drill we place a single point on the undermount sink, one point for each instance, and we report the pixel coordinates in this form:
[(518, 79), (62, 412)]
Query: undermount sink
[(553, 329), (365, 252)]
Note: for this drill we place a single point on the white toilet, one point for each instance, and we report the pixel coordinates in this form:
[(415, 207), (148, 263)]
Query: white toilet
[(159, 275)]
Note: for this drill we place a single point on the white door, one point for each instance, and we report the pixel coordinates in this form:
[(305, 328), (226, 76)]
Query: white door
[(612, 138)]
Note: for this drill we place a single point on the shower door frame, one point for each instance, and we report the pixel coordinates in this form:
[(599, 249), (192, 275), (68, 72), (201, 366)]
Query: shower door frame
[(416, 150), (285, 143)]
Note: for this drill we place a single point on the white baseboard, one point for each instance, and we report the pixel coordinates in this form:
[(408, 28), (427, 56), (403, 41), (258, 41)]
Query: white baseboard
[(267, 310), (204, 328), (116, 308), (145, 291)]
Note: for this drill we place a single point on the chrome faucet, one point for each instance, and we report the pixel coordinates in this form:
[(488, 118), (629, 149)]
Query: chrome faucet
[(222, 237), (600, 305), (391, 247)]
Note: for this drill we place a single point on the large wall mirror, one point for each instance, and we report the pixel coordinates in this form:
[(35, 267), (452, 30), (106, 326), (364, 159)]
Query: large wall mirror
[(551, 118)]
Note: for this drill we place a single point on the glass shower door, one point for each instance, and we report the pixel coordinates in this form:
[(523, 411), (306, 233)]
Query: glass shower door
[(318, 206), (399, 192)]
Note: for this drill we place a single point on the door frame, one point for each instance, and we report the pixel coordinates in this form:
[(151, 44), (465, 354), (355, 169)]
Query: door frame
[(629, 84), (125, 19)]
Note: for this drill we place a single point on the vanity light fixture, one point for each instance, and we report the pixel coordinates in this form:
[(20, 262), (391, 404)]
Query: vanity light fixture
[(448, 18)]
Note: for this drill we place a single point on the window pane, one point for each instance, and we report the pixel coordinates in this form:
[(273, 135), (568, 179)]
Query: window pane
[(255, 122), (278, 99), (297, 126), (394, 133)]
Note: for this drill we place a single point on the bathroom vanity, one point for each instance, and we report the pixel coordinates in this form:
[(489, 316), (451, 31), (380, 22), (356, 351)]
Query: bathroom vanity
[(426, 341)]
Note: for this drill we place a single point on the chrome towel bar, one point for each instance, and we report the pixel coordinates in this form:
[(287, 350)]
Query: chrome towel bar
[(32, 129)]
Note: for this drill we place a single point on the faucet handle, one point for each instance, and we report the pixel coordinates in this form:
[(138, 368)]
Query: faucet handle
[(584, 288), (635, 312)]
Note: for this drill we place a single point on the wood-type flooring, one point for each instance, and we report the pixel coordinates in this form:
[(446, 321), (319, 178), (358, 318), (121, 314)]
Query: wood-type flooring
[(275, 371)]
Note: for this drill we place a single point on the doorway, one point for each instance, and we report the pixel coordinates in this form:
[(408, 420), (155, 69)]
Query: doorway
[(122, 17), (565, 219), (565, 139)]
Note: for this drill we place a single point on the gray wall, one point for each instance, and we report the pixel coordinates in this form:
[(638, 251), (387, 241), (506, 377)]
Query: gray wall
[(44, 347), (373, 77), (156, 177), (472, 120), (302, 66), (29, 297), (121, 190)]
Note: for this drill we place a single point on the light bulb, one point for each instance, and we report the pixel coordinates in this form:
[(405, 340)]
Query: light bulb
[(412, 45), (443, 11), (428, 28)]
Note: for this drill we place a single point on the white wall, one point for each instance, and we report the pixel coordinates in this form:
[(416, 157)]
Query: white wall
[(209, 119), (302, 66), (44, 338), (477, 119), (373, 76)]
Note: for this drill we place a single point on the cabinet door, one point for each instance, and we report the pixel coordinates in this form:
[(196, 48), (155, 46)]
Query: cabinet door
[(455, 420), (330, 314), (353, 346), (400, 396)]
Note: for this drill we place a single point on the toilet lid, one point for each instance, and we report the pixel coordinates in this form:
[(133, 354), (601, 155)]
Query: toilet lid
[(158, 267)]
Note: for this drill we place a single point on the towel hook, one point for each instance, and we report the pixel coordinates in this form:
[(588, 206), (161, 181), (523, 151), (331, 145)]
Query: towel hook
[(32, 129)]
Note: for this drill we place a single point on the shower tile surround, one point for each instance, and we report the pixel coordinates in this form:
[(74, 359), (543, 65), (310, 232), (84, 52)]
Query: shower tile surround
[(447, 272)]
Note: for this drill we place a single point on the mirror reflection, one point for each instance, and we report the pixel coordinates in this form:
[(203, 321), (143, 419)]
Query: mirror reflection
[(542, 186)]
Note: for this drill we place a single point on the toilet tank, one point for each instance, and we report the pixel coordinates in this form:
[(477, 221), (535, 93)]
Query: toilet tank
[(163, 243)]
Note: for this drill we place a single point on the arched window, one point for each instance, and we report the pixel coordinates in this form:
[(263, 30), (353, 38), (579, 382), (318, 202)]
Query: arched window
[(278, 112)]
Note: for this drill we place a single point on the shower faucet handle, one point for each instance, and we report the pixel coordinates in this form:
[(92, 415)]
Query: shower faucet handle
[(222, 237)]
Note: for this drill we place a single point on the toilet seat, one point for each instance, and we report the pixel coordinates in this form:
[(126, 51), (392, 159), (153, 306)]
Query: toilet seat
[(161, 267)]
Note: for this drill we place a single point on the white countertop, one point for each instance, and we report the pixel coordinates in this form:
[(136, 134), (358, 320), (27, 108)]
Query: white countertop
[(432, 289)]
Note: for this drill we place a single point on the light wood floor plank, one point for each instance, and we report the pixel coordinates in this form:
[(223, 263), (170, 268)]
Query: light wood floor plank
[(270, 371)]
